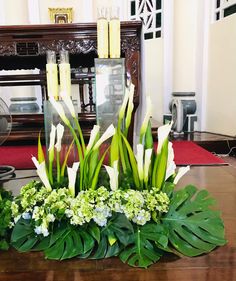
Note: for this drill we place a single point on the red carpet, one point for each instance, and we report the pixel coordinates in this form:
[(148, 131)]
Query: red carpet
[(186, 153)]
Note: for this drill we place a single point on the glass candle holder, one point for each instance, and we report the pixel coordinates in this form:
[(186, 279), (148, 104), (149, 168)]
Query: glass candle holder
[(65, 73), (52, 76), (102, 33), (51, 117), (110, 88)]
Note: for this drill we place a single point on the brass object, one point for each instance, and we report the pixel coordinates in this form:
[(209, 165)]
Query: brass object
[(61, 15)]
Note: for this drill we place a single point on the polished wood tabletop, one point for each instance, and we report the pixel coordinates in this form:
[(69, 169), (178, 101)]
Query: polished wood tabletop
[(218, 265)]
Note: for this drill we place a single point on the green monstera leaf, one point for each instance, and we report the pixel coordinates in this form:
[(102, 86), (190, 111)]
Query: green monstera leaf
[(23, 237), (67, 242), (193, 227), (114, 237), (64, 242), (145, 249)]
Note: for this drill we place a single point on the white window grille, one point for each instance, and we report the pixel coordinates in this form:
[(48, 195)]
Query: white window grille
[(223, 8), (150, 13)]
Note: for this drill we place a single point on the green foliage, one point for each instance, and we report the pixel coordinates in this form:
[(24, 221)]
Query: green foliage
[(67, 241), (114, 237), (23, 237), (5, 218), (41, 157), (146, 245), (138, 221), (193, 227)]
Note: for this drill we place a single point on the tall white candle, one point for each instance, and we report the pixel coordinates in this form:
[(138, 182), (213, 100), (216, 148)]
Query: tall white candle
[(102, 33), (65, 73), (114, 33), (52, 77)]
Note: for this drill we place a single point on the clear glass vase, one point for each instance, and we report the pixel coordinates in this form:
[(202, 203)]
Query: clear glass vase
[(110, 89), (52, 117)]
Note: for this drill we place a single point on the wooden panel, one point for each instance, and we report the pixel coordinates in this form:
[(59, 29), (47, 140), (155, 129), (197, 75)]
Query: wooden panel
[(81, 42)]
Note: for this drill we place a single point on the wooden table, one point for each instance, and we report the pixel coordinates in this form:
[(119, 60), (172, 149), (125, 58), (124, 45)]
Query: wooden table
[(217, 265)]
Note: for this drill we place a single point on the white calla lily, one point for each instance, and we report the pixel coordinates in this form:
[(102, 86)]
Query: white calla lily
[(60, 132), (52, 138), (170, 170), (41, 171), (113, 175), (110, 131), (69, 104), (35, 161), (181, 172), (139, 158), (147, 116), (72, 173), (92, 138), (130, 106), (59, 110), (147, 162), (124, 104), (163, 133)]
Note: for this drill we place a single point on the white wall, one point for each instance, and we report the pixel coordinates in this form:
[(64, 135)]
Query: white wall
[(18, 14), (221, 98), (184, 45), (152, 72)]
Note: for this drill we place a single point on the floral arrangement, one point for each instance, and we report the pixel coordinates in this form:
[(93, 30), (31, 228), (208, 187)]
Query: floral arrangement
[(129, 209)]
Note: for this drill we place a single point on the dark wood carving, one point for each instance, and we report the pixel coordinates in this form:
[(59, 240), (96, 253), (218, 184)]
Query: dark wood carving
[(7, 49), (24, 47)]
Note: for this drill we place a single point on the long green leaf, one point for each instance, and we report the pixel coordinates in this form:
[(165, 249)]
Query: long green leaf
[(162, 165), (194, 228), (114, 151), (96, 173), (66, 159), (93, 161), (41, 156), (148, 137), (132, 162)]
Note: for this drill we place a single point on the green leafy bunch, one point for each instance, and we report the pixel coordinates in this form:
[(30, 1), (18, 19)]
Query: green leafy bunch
[(5, 218), (90, 162), (45, 206), (146, 168), (190, 227)]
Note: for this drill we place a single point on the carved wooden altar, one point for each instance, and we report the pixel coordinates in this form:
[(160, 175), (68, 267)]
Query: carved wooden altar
[(25, 46)]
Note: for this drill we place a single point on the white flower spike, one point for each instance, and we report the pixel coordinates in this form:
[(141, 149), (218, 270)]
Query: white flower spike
[(110, 131), (113, 175), (52, 138), (93, 136), (41, 171), (163, 133), (59, 110), (130, 106), (181, 172), (170, 170), (124, 104), (69, 104), (72, 173), (60, 132)]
